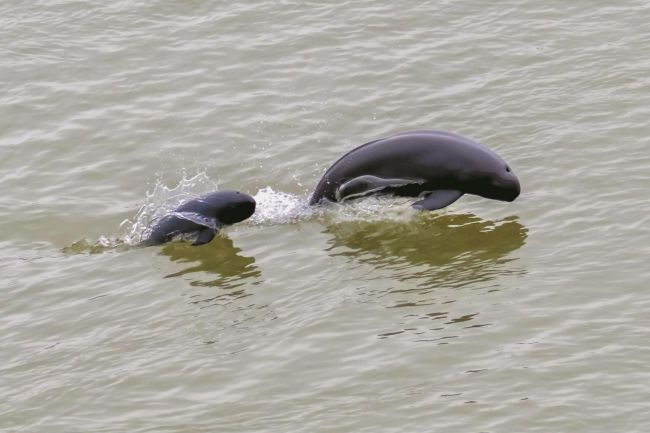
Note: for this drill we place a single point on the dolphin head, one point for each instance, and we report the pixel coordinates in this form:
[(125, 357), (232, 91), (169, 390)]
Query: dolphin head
[(486, 174), (228, 207), (502, 184), (234, 206), (497, 182)]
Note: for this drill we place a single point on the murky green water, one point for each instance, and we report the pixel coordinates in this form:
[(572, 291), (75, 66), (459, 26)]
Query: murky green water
[(487, 317)]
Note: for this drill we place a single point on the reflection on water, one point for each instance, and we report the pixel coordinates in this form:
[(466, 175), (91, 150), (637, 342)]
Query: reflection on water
[(436, 252), (101, 246), (444, 250), (218, 258), (221, 277)]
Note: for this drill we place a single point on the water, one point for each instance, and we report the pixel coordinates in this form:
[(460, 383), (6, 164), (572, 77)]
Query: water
[(484, 317)]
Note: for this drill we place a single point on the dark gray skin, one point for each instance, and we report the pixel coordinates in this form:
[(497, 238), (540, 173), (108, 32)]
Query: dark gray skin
[(215, 210), (438, 166)]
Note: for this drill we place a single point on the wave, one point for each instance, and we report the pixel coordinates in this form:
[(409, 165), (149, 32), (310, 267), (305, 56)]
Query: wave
[(273, 208)]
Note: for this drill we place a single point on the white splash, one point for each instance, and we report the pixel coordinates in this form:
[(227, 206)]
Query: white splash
[(161, 201), (374, 208), (276, 207), (273, 207)]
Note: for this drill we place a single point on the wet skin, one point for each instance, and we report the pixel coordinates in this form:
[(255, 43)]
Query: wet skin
[(203, 216), (438, 166)]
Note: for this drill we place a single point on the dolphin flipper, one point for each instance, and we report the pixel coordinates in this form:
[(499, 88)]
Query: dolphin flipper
[(437, 199), (367, 184), (206, 234)]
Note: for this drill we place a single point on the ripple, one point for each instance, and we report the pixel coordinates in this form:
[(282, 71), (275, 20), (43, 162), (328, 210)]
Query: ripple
[(363, 317)]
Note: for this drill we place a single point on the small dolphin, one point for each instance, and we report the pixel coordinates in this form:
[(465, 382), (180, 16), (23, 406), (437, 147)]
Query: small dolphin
[(438, 166), (204, 216)]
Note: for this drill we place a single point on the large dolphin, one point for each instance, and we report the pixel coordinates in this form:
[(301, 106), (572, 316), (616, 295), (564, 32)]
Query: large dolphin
[(438, 166), (203, 216)]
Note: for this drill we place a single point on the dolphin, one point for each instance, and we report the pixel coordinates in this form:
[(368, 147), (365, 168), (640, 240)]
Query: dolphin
[(439, 167), (203, 216)]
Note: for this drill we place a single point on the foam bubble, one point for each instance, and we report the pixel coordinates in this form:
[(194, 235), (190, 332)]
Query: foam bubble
[(273, 207), (276, 207), (375, 208)]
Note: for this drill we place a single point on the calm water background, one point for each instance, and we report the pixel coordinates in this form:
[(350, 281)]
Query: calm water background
[(487, 317)]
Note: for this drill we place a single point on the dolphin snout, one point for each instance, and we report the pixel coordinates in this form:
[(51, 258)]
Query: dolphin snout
[(514, 188), (249, 206), (245, 206)]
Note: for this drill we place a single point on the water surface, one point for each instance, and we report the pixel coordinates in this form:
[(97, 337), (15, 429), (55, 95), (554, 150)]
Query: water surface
[(484, 317)]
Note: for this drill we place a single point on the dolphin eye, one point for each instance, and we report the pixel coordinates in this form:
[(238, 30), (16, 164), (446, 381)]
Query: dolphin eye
[(508, 169)]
